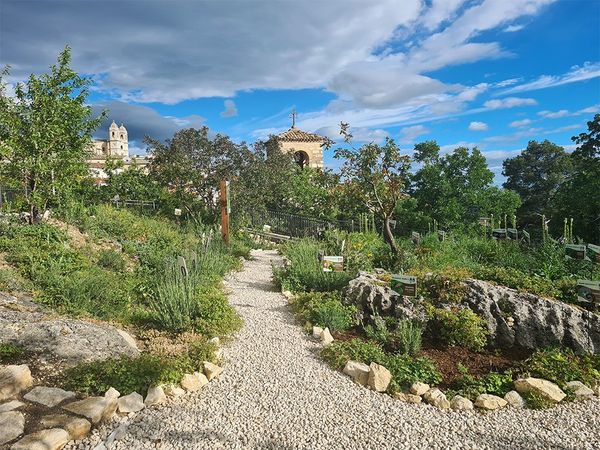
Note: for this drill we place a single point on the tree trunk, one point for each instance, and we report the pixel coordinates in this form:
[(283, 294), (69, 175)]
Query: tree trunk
[(388, 236)]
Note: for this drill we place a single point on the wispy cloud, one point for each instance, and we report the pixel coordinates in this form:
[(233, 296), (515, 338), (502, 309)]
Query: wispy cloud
[(520, 123), (230, 109), (509, 102), (577, 73), (478, 126), (554, 114), (409, 134), (513, 28)]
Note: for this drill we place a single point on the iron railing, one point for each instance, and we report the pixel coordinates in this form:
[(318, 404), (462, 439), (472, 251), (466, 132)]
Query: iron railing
[(297, 226)]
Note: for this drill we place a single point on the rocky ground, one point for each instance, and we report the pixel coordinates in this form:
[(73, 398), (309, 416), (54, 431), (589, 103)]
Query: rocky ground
[(276, 393)]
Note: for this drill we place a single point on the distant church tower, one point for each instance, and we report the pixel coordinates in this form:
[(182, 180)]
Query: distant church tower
[(306, 147), (118, 143)]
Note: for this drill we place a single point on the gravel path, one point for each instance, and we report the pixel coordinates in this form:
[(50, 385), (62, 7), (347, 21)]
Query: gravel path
[(276, 393)]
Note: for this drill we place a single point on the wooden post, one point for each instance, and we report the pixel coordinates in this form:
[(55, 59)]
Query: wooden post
[(224, 212)]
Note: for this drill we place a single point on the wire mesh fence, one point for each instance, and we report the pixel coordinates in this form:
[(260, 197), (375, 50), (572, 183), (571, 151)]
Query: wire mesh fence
[(297, 226)]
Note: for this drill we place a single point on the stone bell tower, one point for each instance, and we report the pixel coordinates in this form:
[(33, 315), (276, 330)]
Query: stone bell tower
[(307, 148)]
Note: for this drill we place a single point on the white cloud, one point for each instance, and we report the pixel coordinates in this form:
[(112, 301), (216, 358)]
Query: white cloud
[(509, 102), (554, 114), (359, 135), (440, 11), (575, 126), (230, 109), (478, 126), (513, 28), (508, 82), (520, 123), (595, 109), (577, 73), (529, 133), (449, 148), (409, 134)]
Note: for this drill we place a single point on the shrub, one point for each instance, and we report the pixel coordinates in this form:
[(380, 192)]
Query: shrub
[(110, 259), (174, 305), (562, 365), (214, 315), (460, 327), (340, 352), (334, 315), (406, 370), (9, 351), (537, 401), (378, 331), (407, 337), (492, 383), (136, 374)]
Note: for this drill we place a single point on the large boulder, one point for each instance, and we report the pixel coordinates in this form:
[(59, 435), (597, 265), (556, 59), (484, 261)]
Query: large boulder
[(26, 324), (373, 296), (519, 319)]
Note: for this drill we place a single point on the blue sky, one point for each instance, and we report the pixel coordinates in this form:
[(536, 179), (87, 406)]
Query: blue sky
[(487, 73)]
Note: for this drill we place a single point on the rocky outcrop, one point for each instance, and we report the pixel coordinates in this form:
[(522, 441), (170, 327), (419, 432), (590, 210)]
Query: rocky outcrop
[(372, 297), (529, 321), (25, 324)]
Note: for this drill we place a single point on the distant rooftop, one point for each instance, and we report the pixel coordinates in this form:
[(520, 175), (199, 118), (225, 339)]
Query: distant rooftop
[(296, 135)]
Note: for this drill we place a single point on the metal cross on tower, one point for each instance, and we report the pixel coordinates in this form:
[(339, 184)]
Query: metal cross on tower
[(293, 115)]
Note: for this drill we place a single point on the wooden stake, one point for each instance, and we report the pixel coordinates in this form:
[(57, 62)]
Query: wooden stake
[(224, 212)]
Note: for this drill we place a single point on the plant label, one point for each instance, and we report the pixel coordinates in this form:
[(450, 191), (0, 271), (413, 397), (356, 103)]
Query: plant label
[(441, 235), (499, 233), (484, 221), (593, 252), (182, 266), (574, 251), (333, 263), (415, 237), (177, 212), (404, 285), (267, 228), (588, 291), (194, 260)]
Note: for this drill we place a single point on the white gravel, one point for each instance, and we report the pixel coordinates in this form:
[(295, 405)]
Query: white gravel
[(276, 393)]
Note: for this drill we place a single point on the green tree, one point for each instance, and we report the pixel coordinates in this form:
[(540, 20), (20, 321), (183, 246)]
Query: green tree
[(536, 175), (45, 135), (381, 172), (579, 196)]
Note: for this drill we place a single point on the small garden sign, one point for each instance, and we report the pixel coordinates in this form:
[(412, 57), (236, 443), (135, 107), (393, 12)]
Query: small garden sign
[(588, 291), (404, 285), (575, 251), (333, 263)]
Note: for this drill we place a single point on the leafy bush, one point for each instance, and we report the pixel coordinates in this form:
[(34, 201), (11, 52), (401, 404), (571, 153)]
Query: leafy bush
[(361, 251), (408, 337), (215, 316), (537, 401), (492, 383), (334, 315), (562, 365), (406, 370), (340, 352), (460, 327), (110, 259)]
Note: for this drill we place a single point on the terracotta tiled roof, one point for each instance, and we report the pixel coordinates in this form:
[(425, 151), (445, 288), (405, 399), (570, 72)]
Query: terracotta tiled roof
[(296, 135)]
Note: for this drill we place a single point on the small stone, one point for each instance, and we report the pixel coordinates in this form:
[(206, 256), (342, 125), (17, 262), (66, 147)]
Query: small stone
[(133, 402), (52, 439), (77, 427), (13, 380), (12, 425), (193, 382), (408, 398), (436, 398), (358, 371), (419, 388), (215, 340), (514, 399), (48, 396), (112, 393), (173, 391), (10, 406), (460, 403), (545, 388), (156, 395), (94, 408), (211, 370), (287, 294), (326, 337), (597, 390), (580, 390), (379, 377), (490, 402), (316, 332)]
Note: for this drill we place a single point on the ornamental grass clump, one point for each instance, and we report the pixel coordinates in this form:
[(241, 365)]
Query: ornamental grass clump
[(408, 337)]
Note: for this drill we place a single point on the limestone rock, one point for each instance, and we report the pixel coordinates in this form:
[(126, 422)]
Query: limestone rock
[(537, 322), (215, 340), (13, 380), (52, 439), (10, 406), (190, 382), (545, 388), (211, 370), (580, 390), (436, 398), (287, 294), (12, 425), (490, 402), (419, 388), (408, 398), (460, 403), (173, 391), (112, 393), (94, 408), (359, 372), (326, 337), (379, 377), (514, 399), (597, 390), (316, 332), (133, 402), (156, 395), (77, 427), (48, 396)]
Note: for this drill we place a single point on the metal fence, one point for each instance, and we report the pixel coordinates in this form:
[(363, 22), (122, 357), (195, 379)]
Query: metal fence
[(141, 204), (10, 195), (297, 226)]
